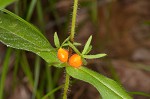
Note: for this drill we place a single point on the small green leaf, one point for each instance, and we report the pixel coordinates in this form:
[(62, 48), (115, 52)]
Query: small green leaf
[(56, 40), (75, 44), (4, 3), (67, 39), (108, 88), (74, 48), (94, 56), (89, 49), (87, 45)]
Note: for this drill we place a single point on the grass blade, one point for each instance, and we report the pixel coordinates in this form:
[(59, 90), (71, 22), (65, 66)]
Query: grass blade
[(4, 71)]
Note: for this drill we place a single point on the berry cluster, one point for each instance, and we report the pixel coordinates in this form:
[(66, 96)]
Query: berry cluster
[(77, 59)]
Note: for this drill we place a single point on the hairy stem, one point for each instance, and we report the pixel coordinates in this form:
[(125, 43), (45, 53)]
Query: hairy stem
[(74, 16), (66, 86), (73, 25)]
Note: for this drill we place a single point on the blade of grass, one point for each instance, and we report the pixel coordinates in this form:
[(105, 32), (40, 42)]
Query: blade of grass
[(16, 66), (31, 8), (40, 15), (56, 76), (26, 68), (4, 71), (36, 78), (27, 71), (42, 84), (140, 93), (53, 91), (49, 81)]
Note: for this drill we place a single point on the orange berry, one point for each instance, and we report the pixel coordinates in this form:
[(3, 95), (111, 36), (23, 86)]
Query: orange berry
[(75, 60), (62, 55)]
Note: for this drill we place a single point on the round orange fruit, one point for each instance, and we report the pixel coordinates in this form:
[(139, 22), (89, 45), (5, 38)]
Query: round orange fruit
[(62, 55), (75, 61)]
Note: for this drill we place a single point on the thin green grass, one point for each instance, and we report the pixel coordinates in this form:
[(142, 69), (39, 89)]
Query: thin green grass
[(31, 8), (53, 91), (36, 77), (49, 81), (16, 67), (4, 71), (140, 93)]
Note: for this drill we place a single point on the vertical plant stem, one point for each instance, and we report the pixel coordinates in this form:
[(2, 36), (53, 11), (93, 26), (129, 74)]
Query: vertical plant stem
[(4, 71), (74, 17), (66, 86), (73, 25)]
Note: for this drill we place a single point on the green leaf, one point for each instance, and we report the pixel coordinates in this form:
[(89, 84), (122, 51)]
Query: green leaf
[(89, 49), (18, 33), (75, 44), (87, 45), (74, 48), (94, 56), (67, 39), (4, 3), (56, 40), (108, 88)]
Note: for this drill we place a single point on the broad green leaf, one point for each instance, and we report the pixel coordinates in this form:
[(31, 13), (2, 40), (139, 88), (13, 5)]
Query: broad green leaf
[(87, 45), (18, 33), (94, 56), (108, 88), (4, 3), (56, 40)]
